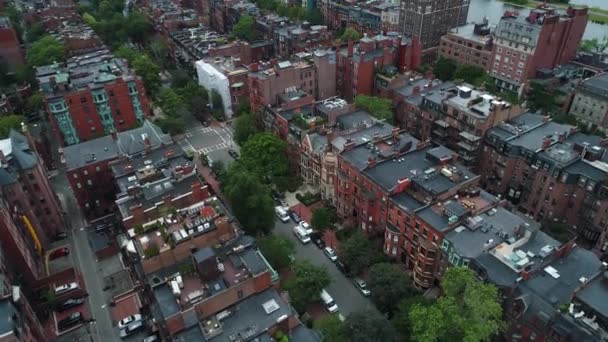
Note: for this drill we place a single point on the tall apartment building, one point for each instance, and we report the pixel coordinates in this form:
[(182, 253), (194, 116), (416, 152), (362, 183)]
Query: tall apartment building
[(91, 96), (11, 53), (590, 102), (429, 20), (26, 187), (511, 252), (455, 116), (89, 172), (470, 44), (551, 172), (545, 38)]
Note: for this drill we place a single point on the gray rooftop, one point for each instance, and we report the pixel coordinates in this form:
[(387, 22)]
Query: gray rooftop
[(250, 319), (407, 202), (468, 32), (360, 154), (18, 156), (253, 261), (7, 311), (203, 254), (595, 294), (166, 300), (363, 134), (597, 85), (354, 119), (528, 131)]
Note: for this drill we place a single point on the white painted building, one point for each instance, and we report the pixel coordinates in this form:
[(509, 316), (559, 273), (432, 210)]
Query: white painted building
[(212, 78)]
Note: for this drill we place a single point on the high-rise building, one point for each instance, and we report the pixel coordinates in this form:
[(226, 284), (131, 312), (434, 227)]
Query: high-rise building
[(92, 95), (25, 185), (429, 20), (545, 38)]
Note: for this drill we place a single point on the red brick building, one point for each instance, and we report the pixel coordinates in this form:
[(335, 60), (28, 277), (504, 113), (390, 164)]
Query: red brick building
[(91, 96), (469, 45), (545, 38), (88, 170), (394, 185), (11, 53), (552, 173), (25, 185), (357, 67)]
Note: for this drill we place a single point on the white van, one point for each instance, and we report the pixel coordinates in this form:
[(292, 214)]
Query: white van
[(301, 234), (281, 214), (328, 302)]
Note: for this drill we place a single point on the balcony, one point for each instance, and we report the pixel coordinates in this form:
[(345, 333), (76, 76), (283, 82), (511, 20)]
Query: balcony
[(468, 147), (469, 137)]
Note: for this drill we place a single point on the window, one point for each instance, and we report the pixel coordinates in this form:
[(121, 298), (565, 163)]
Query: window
[(89, 182), (78, 185), (240, 294), (445, 245), (75, 175), (85, 172), (97, 168), (395, 238), (83, 100)]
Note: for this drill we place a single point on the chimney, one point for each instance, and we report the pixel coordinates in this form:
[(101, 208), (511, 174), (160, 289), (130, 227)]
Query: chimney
[(395, 132), (349, 145), (371, 161), (351, 47), (547, 142), (416, 90)]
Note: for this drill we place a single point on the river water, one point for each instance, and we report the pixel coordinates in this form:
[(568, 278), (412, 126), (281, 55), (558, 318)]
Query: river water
[(493, 9)]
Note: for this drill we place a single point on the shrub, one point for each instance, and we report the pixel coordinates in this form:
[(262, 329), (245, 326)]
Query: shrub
[(139, 229), (151, 251), (308, 198)]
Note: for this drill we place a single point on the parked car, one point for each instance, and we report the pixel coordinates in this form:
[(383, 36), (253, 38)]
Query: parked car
[(70, 303), (70, 321), (66, 288), (295, 217), (301, 234), (151, 338), (331, 254), (60, 236), (59, 252), (343, 268), (307, 228), (361, 286), (281, 213), (128, 320), (131, 329), (317, 240), (234, 154), (205, 123)]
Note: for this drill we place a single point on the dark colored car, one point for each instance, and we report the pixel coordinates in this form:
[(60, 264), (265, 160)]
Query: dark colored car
[(234, 154), (295, 217), (69, 321), (343, 268), (60, 236), (70, 303), (205, 123), (59, 252), (317, 240)]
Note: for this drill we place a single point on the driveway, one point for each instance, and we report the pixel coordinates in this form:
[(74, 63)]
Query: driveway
[(348, 298)]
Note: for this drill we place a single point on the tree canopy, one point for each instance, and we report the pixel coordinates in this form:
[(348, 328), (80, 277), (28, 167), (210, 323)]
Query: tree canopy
[(468, 311), (388, 286), (250, 199), (244, 28), (594, 45), (368, 325), (331, 328), (46, 51), (244, 128), (306, 284), (265, 155), (401, 321), (350, 33), (358, 253), (444, 69), (277, 250), (322, 218), (471, 74), (9, 122), (148, 71), (379, 107)]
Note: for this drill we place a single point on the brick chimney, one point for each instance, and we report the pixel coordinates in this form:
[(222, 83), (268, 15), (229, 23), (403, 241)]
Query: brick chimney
[(416, 90), (371, 161), (349, 145), (547, 142), (351, 47)]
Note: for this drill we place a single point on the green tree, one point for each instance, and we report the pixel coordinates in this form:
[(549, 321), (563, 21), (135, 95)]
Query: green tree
[(148, 71), (388, 285), (89, 19), (470, 74), (277, 250), (159, 50), (539, 98), (171, 125), (350, 33), (244, 28), (331, 328), (126, 52), (34, 32), (379, 107), (368, 325), (444, 69), (322, 218), (401, 320), (314, 16), (169, 102), (594, 45), (358, 253), (265, 155), (244, 128), (10, 122), (306, 284), (195, 97), (137, 27), (46, 51), (468, 311), (250, 200), (34, 103)]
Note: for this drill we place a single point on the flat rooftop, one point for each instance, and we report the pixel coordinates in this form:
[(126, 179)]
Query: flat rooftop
[(468, 32), (386, 147)]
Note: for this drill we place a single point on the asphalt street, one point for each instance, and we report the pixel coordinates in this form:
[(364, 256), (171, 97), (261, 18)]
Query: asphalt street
[(342, 289), (102, 329)]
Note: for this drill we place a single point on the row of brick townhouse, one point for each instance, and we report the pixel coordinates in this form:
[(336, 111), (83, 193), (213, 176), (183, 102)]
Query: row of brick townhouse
[(551, 172), (366, 17), (90, 96)]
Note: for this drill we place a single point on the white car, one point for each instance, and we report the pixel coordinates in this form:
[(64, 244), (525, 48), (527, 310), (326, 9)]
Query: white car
[(307, 228), (331, 254), (66, 288), (301, 234), (131, 329), (128, 320)]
